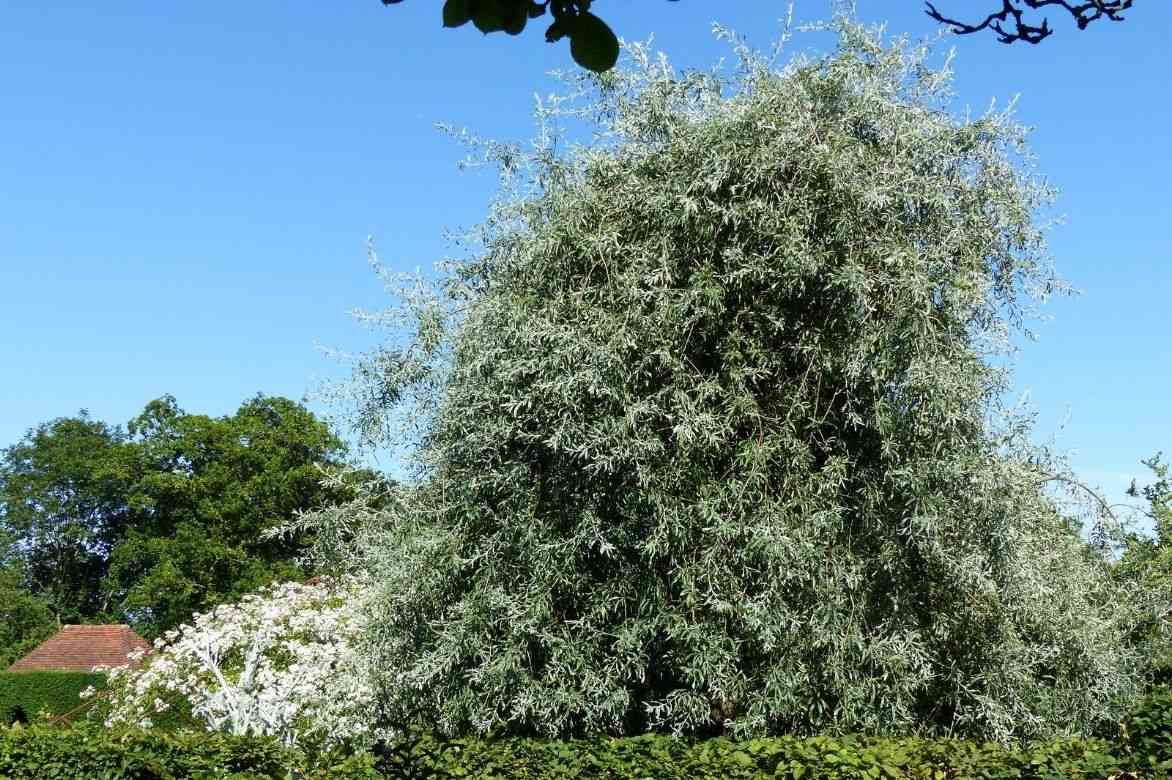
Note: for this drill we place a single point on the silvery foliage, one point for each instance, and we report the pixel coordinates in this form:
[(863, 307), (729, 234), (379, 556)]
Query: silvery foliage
[(281, 663), (707, 428), (340, 533)]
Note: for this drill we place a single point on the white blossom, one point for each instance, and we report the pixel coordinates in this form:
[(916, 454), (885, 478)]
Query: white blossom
[(281, 663)]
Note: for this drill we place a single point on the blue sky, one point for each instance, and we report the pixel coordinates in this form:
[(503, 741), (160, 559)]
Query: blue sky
[(186, 191)]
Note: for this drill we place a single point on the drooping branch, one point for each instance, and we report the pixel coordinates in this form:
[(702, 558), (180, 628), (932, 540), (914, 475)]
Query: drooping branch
[(1010, 23), (1106, 508)]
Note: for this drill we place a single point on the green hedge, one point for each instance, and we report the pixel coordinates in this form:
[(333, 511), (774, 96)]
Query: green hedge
[(28, 693), (1146, 733), (840, 758), (86, 751)]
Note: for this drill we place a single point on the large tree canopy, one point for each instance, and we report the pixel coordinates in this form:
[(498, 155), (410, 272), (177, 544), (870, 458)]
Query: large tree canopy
[(709, 429), (210, 489), (63, 506), (167, 517), (595, 46)]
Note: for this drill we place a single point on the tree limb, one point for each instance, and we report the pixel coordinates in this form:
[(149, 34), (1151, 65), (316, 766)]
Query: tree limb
[(1010, 23)]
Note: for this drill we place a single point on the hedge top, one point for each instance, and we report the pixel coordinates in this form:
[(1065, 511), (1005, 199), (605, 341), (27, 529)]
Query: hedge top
[(81, 648)]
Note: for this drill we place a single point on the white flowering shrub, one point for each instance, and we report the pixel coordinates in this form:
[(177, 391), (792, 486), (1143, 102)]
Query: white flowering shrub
[(281, 663)]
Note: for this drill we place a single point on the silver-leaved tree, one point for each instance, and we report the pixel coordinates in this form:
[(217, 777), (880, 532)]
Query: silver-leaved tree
[(708, 426)]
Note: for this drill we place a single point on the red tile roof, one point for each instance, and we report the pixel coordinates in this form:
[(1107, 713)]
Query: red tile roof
[(81, 648)]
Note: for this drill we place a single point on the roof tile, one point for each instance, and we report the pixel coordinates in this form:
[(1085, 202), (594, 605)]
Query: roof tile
[(81, 648)]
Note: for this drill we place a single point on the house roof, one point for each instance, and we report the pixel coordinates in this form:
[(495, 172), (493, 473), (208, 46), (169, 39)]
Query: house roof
[(81, 648)]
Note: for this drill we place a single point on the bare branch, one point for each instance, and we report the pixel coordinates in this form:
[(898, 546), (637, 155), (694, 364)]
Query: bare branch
[(1010, 23), (1105, 506)]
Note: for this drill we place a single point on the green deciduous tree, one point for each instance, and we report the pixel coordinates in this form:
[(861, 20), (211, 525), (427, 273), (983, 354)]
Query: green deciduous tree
[(25, 620), (63, 504), (169, 516), (210, 489), (1146, 570), (709, 431)]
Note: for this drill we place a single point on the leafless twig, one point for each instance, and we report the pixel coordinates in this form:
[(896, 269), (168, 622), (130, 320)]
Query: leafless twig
[(1010, 23)]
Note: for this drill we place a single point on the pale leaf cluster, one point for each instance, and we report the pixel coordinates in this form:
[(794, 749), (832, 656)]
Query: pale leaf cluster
[(708, 427), (280, 663)]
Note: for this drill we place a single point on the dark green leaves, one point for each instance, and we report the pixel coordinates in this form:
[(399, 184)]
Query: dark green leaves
[(84, 751), (47, 753), (457, 12), (672, 758), (491, 15), (31, 692), (488, 19), (559, 29), (25, 618), (593, 44)]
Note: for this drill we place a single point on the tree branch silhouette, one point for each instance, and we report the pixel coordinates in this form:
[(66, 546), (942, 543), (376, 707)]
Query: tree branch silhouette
[(1010, 24)]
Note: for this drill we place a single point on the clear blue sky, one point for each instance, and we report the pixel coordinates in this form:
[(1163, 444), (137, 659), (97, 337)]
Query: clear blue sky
[(186, 190)]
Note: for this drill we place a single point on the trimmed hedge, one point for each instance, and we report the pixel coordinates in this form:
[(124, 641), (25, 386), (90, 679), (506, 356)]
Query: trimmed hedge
[(24, 694), (792, 758), (83, 752), (72, 754), (44, 753)]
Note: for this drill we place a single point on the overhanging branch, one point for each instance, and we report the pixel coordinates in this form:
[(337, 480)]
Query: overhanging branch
[(1010, 23)]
